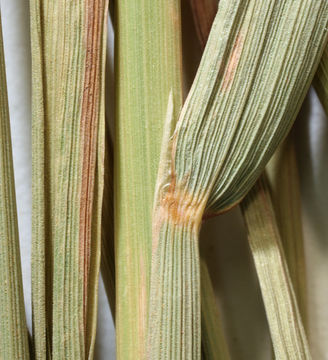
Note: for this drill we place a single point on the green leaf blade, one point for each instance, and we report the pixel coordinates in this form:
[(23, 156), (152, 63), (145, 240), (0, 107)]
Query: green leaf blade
[(148, 70)]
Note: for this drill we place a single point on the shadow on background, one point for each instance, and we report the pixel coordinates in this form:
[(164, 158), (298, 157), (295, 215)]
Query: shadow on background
[(312, 150), (224, 244)]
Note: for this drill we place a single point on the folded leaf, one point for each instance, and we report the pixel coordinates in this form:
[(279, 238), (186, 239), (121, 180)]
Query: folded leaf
[(257, 66)]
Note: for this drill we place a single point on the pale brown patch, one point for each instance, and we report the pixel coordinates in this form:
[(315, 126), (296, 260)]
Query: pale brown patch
[(176, 207), (233, 62), (174, 15), (179, 207)]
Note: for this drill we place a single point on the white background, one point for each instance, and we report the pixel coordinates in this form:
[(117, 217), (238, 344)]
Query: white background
[(15, 23), (225, 245)]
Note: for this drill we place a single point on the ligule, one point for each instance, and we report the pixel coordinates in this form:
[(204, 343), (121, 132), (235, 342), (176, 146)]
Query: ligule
[(13, 329), (68, 53), (257, 66), (287, 331)]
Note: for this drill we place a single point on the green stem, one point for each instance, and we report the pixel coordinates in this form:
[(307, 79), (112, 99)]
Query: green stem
[(147, 70)]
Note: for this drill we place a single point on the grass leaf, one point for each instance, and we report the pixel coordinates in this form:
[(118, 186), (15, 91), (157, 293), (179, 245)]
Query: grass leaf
[(285, 193), (287, 332), (68, 58)]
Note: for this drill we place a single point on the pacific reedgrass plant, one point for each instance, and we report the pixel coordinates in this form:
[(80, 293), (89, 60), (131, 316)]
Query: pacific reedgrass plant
[(130, 197)]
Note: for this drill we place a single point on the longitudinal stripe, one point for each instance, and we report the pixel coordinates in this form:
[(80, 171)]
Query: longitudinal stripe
[(93, 134), (89, 129)]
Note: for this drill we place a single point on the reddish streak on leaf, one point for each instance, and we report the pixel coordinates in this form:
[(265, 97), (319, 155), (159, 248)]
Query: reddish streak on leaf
[(233, 62), (89, 125)]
